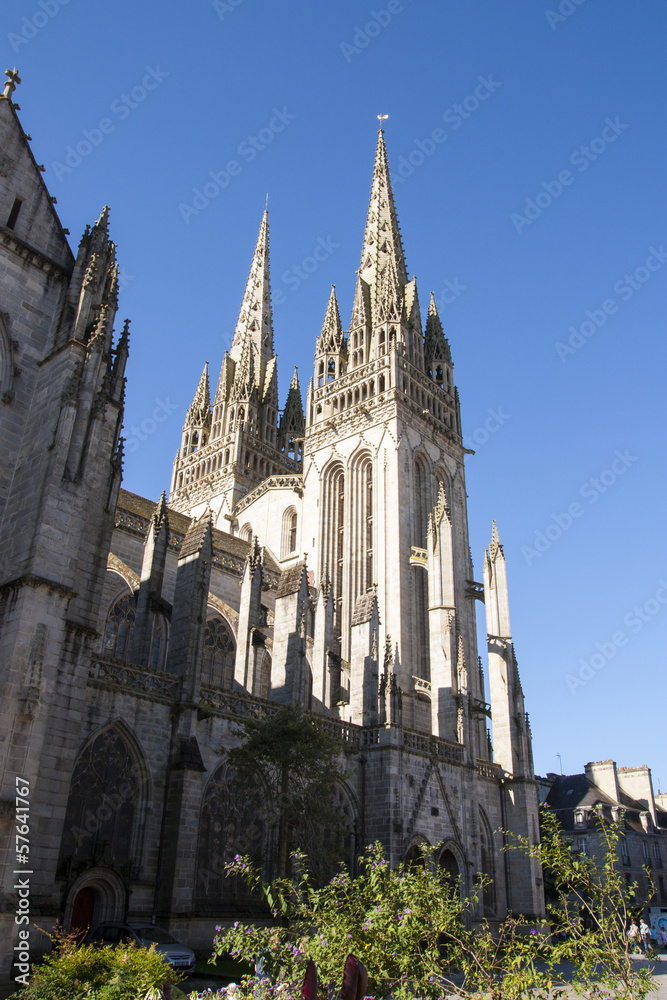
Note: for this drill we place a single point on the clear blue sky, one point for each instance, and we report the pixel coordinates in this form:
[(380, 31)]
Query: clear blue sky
[(539, 94)]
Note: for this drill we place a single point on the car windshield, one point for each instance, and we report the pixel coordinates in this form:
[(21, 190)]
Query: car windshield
[(155, 934)]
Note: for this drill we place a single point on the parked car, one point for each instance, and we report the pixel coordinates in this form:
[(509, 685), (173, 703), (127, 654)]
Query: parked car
[(113, 933)]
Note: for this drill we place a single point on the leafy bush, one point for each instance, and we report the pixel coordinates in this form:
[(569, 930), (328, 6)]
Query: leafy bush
[(72, 971), (414, 932)]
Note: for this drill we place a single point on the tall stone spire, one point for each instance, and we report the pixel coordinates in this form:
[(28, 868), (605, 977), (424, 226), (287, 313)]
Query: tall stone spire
[(382, 238), (255, 320)]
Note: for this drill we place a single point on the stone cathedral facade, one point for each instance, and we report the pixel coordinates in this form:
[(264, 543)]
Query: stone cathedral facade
[(318, 556)]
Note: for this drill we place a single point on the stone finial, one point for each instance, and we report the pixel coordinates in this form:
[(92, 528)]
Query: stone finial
[(12, 82)]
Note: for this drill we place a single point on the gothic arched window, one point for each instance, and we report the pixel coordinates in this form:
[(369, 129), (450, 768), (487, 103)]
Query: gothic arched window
[(363, 530), (487, 864), (219, 653), (334, 533), (289, 533), (120, 628), (103, 807), (230, 824), (246, 532), (421, 503), (447, 861), (421, 509), (6, 363)]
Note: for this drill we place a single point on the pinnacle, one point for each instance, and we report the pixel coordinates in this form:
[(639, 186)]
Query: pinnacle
[(160, 512), (200, 408), (436, 346), (103, 221), (495, 542), (331, 337)]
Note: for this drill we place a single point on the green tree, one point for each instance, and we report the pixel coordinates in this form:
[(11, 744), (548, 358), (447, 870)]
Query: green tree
[(294, 765)]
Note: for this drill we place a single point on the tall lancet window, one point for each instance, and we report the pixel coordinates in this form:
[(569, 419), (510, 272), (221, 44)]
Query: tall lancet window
[(421, 653), (421, 504), (334, 539), (368, 523)]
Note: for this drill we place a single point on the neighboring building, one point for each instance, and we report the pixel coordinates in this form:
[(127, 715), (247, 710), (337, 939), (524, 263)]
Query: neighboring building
[(622, 794), (321, 558)]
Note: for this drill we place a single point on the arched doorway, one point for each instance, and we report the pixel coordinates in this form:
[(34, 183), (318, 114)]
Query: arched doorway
[(98, 894), (414, 857), (450, 866), (83, 912)]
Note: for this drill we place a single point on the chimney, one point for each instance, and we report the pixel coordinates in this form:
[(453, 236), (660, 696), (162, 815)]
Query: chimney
[(637, 784), (603, 774)]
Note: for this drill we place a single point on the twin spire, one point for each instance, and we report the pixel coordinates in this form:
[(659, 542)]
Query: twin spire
[(383, 249), (255, 322)]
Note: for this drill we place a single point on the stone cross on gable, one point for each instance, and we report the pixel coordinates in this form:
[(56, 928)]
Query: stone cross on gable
[(12, 82)]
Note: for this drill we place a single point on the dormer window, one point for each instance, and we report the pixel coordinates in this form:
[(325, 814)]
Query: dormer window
[(580, 818)]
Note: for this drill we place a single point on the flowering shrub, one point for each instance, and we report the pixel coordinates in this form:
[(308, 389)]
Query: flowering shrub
[(413, 931)]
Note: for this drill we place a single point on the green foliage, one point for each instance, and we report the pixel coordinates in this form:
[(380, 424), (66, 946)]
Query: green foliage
[(72, 971), (592, 909), (292, 757), (414, 932)]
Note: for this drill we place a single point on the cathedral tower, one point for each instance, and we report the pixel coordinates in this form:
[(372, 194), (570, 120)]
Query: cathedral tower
[(228, 451), (383, 432)]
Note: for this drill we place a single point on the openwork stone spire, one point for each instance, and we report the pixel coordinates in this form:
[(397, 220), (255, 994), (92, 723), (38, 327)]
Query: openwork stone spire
[(382, 238), (255, 320), (199, 412), (331, 338)]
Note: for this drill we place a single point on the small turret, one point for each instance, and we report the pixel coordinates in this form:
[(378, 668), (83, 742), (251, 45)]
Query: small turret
[(331, 349), (437, 354), (292, 422), (198, 418)]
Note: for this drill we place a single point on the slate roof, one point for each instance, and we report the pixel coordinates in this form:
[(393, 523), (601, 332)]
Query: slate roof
[(132, 503), (363, 609), (574, 791), (290, 581)]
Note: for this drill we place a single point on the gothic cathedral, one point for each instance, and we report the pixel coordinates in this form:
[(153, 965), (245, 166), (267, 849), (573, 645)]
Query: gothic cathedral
[(319, 557)]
